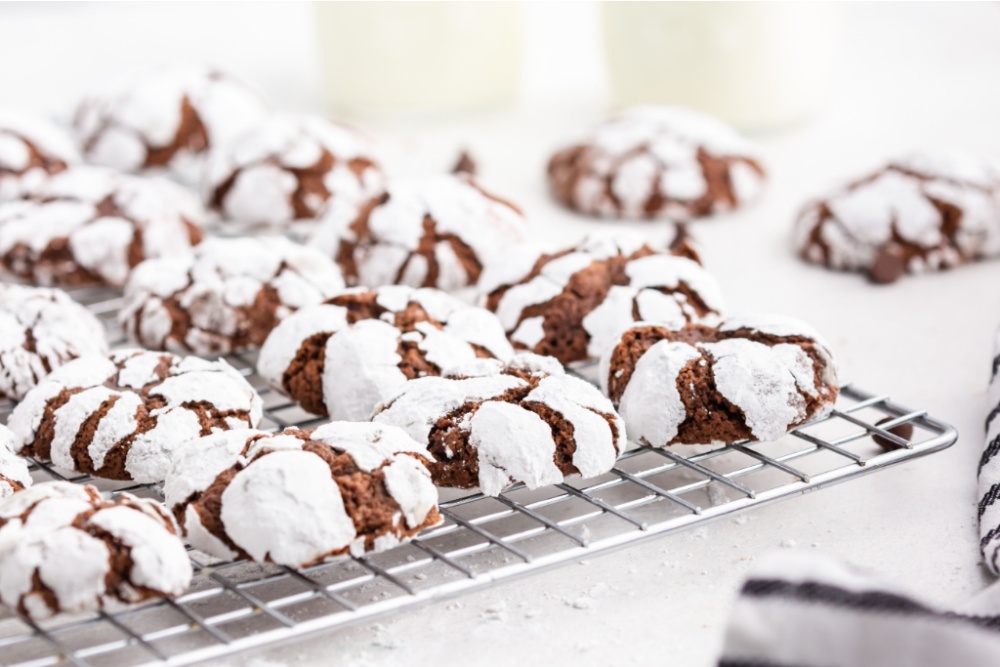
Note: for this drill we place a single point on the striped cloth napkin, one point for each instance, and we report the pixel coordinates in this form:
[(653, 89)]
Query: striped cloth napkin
[(806, 610)]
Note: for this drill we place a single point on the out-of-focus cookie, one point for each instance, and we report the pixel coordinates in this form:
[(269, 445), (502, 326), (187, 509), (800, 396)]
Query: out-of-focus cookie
[(14, 475), (299, 496), (41, 329), (287, 168), (345, 356), (572, 304), (165, 119), (492, 424), (122, 416), (32, 148), (923, 213), (656, 162), (90, 225), (66, 550), (435, 231), (749, 378), (226, 296)]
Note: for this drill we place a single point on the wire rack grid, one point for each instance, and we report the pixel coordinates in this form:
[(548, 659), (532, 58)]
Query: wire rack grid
[(234, 606)]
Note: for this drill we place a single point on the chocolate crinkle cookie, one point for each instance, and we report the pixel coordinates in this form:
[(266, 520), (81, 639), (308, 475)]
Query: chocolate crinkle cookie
[(41, 329), (492, 424), (345, 356), (31, 149), (91, 226), (657, 162), (923, 213), (66, 550), (299, 496), (749, 378), (226, 296), (121, 416), (287, 168), (165, 119), (572, 304), (434, 231), (14, 474)]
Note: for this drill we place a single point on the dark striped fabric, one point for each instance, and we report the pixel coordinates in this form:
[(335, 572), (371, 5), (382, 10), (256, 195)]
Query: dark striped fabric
[(989, 476), (805, 610)]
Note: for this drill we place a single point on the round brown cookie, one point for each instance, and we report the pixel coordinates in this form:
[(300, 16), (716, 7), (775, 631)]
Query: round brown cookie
[(90, 225), (287, 168), (345, 356), (299, 496), (226, 296), (14, 474), (31, 149), (491, 424), (923, 213), (165, 119), (656, 162), (122, 416), (41, 329), (749, 378), (572, 304), (65, 549), (435, 231)]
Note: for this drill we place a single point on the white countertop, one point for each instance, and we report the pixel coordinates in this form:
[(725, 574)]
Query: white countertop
[(906, 76)]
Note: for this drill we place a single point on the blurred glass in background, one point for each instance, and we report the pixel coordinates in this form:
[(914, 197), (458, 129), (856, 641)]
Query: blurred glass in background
[(756, 65), (411, 59)]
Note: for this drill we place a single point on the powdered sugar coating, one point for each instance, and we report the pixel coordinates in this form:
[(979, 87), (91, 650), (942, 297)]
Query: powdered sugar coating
[(361, 346), (41, 329), (64, 549), (121, 416), (287, 168), (589, 293), (297, 497), (226, 296), (657, 162), (14, 475), (434, 231), (31, 149), (750, 378), (927, 211), (492, 424), (89, 225), (165, 119)]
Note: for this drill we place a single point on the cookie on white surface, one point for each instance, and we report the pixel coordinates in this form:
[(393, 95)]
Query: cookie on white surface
[(287, 168), (122, 416), (226, 296), (32, 148), (299, 496), (165, 119), (749, 378), (41, 329), (90, 225), (572, 304), (14, 475), (657, 163), (434, 231), (491, 425), (923, 213), (66, 550), (345, 356)]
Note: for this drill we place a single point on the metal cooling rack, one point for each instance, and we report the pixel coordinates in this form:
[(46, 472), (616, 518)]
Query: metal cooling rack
[(235, 606)]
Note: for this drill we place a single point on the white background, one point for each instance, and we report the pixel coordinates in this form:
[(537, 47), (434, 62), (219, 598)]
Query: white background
[(906, 76)]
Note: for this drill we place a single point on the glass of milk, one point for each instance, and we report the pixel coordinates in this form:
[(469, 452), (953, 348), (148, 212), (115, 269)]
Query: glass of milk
[(756, 65), (406, 59)]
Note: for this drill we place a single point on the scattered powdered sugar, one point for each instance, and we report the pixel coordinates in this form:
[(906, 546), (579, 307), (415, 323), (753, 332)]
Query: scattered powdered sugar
[(40, 330)]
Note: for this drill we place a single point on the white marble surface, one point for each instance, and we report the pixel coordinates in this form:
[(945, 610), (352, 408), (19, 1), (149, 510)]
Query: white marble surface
[(906, 76)]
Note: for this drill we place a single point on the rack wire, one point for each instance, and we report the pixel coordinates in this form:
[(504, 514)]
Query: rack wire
[(234, 606)]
